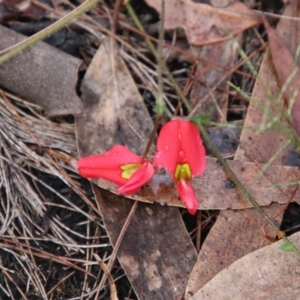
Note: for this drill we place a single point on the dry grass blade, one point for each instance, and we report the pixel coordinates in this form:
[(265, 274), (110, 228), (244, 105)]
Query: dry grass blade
[(49, 228), (113, 290)]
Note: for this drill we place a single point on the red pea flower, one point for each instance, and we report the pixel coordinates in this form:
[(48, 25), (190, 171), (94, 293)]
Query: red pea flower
[(181, 152), (120, 166)]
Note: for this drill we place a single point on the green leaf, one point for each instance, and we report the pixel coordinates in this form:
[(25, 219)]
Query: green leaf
[(287, 246)]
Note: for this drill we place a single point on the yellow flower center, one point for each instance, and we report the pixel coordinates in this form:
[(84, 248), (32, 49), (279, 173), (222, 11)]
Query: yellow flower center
[(128, 170), (183, 172)]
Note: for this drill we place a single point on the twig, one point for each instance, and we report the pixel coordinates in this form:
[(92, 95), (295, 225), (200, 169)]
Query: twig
[(118, 243), (278, 213), (117, 7), (198, 231)]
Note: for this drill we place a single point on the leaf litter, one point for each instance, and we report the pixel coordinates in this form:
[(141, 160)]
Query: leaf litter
[(288, 74), (58, 164), (205, 24), (272, 272), (36, 210), (151, 266), (237, 233)]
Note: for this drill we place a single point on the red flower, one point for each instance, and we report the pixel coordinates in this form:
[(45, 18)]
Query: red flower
[(187, 195), (120, 166), (182, 154)]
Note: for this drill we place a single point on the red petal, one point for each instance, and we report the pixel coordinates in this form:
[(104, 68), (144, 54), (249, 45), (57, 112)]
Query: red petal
[(138, 179), (107, 165), (179, 142), (187, 195)]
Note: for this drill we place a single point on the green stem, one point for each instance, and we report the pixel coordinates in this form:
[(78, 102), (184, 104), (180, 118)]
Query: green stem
[(154, 52), (160, 104), (227, 170), (48, 31), (232, 177)]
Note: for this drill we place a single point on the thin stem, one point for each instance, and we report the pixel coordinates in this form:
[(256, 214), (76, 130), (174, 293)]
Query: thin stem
[(113, 256), (154, 52), (47, 31), (117, 8), (228, 171), (160, 104), (232, 177), (152, 136)]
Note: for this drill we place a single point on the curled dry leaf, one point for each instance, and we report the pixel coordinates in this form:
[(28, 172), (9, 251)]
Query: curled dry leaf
[(41, 74), (264, 274), (205, 24)]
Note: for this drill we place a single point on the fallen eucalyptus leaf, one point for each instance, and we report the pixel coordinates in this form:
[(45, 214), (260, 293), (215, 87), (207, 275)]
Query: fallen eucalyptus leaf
[(267, 273), (114, 113), (237, 233), (41, 74), (205, 24)]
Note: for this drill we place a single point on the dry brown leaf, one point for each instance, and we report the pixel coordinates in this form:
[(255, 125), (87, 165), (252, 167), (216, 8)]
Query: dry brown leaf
[(237, 233), (213, 71), (6, 14), (261, 147), (114, 112), (41, 74), (156, 253), (267, 273), (210, 74), (232, 237), (280, 52), (210, 188), (205, 24), (214, 191), (25, 7)]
